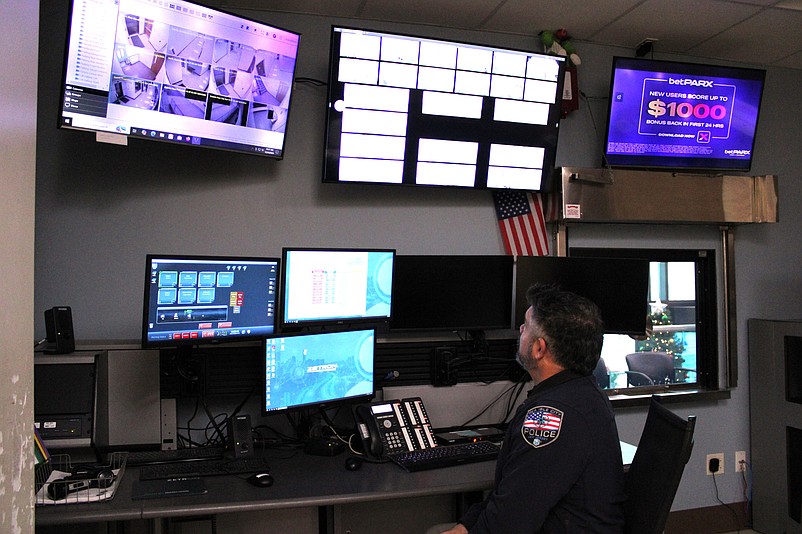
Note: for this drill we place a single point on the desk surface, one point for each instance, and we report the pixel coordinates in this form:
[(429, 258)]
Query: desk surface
[(300, 481)]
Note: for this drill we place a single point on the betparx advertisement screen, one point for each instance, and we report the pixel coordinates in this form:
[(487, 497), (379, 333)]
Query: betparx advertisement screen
[(668, 115)]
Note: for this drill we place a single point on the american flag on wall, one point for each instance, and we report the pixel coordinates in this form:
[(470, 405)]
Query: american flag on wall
[(522, 222)]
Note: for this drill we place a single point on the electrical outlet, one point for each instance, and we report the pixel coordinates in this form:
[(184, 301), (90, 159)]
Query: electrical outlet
[(740, 461), (715, 464)]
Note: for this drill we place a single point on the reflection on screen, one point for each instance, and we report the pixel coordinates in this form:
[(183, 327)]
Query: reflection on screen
[(314, 369)]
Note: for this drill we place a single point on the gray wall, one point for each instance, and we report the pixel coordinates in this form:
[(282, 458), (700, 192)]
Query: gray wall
[(101, 208), (18, 32)]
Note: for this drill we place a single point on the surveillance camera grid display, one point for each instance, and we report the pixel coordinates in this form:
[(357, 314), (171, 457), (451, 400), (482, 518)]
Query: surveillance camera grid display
[(183, 60), (319, 368)]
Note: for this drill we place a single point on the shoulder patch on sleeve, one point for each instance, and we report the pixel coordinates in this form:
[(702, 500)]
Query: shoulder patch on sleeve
[(541, 426)]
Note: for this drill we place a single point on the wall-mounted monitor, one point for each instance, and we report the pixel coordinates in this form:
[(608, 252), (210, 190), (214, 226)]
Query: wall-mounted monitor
[(682, 116), (333, 286), (318, 369), (193, 300), (618, 286), (429, 112), (178, 72), (452, 293)]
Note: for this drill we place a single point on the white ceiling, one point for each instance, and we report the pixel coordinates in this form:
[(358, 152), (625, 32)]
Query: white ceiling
[(755, 32)]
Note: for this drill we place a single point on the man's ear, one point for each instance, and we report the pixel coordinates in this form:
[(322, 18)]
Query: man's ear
[(539, 348)]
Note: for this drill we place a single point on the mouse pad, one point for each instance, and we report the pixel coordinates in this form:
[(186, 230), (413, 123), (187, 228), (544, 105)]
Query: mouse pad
[(174, 487)]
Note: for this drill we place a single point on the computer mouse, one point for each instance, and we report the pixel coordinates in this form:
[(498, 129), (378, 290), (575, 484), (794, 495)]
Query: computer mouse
[(261, 480), (352, 463)]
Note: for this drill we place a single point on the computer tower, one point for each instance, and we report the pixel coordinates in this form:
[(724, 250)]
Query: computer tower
[(128, 401), (65, 388)]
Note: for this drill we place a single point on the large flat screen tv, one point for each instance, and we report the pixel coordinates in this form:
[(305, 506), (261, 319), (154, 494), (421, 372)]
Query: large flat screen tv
[(318, 370), (194, 300), (178, 72), (429, 112), (682, 116), (336, 286)]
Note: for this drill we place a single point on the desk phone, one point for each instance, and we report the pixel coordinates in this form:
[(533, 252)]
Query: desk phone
[(394, 426)]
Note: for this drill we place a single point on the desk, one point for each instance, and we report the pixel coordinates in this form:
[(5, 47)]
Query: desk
[(300, 481)]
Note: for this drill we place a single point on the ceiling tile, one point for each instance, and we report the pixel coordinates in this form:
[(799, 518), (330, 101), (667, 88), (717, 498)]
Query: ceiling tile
[(678, 25), (580, 17), (341, 8), (450, 13), (794, 61), (747, 42)]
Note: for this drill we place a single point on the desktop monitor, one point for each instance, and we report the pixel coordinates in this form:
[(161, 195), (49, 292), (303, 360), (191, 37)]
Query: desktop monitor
[(178, 72), (619, 287), (326, 286), (318, 369), (192, 300), (439, 292), (668, 115), (416, 111)]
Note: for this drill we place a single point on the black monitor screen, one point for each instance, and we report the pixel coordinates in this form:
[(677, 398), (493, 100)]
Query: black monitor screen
[(178, 72), (324, 286), (318, 369), (193, 300), (452, 293), (619, 287)]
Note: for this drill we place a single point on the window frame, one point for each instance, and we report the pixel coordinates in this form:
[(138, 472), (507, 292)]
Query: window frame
[(706, 313)]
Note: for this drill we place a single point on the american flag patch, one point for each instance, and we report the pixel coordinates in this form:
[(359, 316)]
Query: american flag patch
[(541, 425)]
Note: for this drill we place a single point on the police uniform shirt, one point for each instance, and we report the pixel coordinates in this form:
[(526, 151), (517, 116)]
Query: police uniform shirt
[(559, 469)]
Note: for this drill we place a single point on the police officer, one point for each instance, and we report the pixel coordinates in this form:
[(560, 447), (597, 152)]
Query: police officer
[(560, 469)]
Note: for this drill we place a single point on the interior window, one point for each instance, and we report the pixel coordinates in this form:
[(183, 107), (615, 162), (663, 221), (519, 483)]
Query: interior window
[(679, 348)]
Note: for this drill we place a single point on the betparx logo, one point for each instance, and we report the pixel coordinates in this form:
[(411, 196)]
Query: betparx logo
[(690, 81), (737, 153)]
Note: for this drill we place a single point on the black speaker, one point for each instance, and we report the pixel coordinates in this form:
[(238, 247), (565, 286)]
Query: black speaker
[(58, 325), (240, 440)]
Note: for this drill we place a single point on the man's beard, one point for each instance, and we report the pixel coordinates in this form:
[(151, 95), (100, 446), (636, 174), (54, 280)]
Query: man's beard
[(524, 361)]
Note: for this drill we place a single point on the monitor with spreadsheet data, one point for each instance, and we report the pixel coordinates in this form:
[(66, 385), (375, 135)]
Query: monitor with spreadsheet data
[(336, 286)]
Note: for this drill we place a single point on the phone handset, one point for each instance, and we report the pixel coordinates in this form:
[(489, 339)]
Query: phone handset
[(368, 432)]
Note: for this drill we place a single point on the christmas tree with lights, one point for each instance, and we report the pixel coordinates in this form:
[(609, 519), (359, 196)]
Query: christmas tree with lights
[(660, 340)]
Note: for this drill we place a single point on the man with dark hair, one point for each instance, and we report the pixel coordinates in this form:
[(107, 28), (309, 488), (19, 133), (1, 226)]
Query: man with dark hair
[(560, 469)]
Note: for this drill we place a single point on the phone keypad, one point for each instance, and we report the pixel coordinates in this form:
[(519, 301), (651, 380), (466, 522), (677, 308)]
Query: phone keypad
[(393, 440)]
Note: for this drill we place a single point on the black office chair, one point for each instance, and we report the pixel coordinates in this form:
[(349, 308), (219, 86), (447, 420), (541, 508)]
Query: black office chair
[(649, 368), (654, 475), (652, 368), (601, 374)]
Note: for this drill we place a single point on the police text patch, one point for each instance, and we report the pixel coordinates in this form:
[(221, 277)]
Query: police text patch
[(541, 425)]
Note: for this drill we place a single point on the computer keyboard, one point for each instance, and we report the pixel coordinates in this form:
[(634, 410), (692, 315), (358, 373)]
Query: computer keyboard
[(446, 455), (136, 458), (207, 468)]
